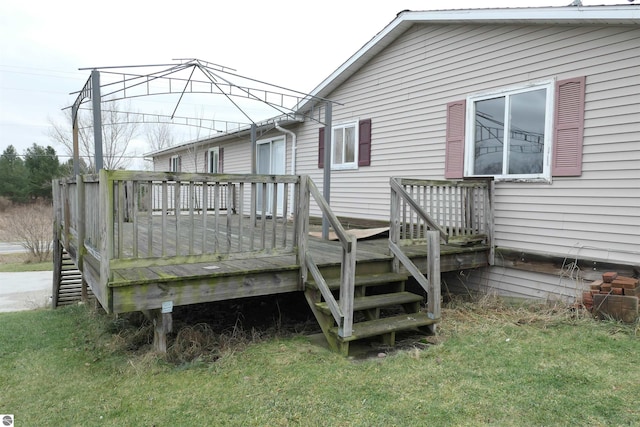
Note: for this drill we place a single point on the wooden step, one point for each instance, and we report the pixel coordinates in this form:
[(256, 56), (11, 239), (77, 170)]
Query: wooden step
[(365, 279), (386, 325), (377, 301)]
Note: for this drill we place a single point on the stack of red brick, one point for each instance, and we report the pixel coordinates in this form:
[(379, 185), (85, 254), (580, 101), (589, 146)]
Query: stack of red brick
[(613, 296)]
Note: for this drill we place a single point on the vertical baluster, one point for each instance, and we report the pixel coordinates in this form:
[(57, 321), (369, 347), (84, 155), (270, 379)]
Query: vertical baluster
[(403, 233), (121, 207), (216, 215), (164, 201), (263, 218), (135, 186), (412, 230), (240, 216), (438, 190), (254, 208), (453, 209), (229, 189), (148, 200), (274, 214), (192, 201), (285, 213), (177, 209), (205, 213)]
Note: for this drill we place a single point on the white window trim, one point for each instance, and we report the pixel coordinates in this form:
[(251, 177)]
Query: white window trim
[(545, 176), (175, 163), (351, 165), (216, 151)]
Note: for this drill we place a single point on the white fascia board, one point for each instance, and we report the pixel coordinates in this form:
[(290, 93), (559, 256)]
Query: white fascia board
[(624, 14)]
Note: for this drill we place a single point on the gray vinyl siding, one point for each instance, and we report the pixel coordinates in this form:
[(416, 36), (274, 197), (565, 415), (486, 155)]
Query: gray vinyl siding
[(405, 89)]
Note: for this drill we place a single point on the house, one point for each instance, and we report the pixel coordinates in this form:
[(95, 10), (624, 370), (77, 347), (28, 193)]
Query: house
[(544, 102)]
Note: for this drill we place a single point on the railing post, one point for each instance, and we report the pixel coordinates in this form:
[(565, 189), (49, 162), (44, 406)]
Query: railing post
[(57, 246), (488, 215), (433, 274), (106, 235), (347, 287), (80, 224), (302, 227), (394, 225)]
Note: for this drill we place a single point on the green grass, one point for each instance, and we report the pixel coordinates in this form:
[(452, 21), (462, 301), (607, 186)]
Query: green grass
[(490, 365), (16, 263)]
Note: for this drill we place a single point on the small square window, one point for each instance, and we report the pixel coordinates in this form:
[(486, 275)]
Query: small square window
[(344, 146)]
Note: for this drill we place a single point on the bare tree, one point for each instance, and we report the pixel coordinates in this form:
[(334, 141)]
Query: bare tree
[(30, 225), (159, 136), (118, 129)]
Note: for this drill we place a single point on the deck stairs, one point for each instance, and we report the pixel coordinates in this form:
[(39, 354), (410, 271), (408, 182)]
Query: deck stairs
[(382, 307), (69, 287)]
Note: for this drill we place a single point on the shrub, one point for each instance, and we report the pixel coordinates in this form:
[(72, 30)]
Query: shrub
[(31, 226)]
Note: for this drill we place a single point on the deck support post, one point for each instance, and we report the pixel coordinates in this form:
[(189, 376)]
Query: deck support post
[(326, 181), (162, 325), (433, 274)]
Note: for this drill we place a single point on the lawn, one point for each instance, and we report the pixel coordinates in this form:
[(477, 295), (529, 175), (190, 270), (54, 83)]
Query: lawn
[(490, 364), (20, 262)]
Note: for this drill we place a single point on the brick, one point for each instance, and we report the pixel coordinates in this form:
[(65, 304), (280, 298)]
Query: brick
[(605, 288), (596, 284), (609, 276), (632, 292), (624, 282), (616, 291), (619, 307)]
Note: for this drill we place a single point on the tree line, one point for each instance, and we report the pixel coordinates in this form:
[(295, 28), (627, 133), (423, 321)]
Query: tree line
[(28, 179)]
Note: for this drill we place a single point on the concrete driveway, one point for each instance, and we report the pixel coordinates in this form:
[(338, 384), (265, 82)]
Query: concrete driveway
[(25, 291)]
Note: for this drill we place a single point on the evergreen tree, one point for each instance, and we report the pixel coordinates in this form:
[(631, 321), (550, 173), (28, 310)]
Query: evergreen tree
[(43, 166), (14, 176)]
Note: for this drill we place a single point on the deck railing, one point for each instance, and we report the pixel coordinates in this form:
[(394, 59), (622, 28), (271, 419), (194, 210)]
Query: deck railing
[(134, 219), (456, 209), (342, 310), (163, 214), (432, 211)]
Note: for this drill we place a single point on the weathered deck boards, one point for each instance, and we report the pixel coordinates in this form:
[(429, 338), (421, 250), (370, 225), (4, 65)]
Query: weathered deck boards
[(184, 281)]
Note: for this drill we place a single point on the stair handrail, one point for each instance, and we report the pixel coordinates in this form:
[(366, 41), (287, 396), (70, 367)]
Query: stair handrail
[(397, 188), (430, 283), (341, 310)]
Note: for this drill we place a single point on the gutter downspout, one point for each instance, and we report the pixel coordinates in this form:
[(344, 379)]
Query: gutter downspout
[(294, 150)]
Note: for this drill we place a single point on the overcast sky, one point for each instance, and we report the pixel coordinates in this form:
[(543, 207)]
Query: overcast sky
[(295, 44)]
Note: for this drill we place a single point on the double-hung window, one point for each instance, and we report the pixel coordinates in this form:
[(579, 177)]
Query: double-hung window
[(174, 164), (213, 160), (508, 133), (344, 146), (350, 145)]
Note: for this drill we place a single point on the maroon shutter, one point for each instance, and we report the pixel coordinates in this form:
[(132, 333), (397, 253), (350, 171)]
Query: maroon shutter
[(454, 151), (364, 143), (220, 159), (206, 161), (321, 148), (568, 127), (170, 162)]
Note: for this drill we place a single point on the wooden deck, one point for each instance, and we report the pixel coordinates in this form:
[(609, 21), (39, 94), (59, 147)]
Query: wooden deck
[(149, 242), (146, 284)]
